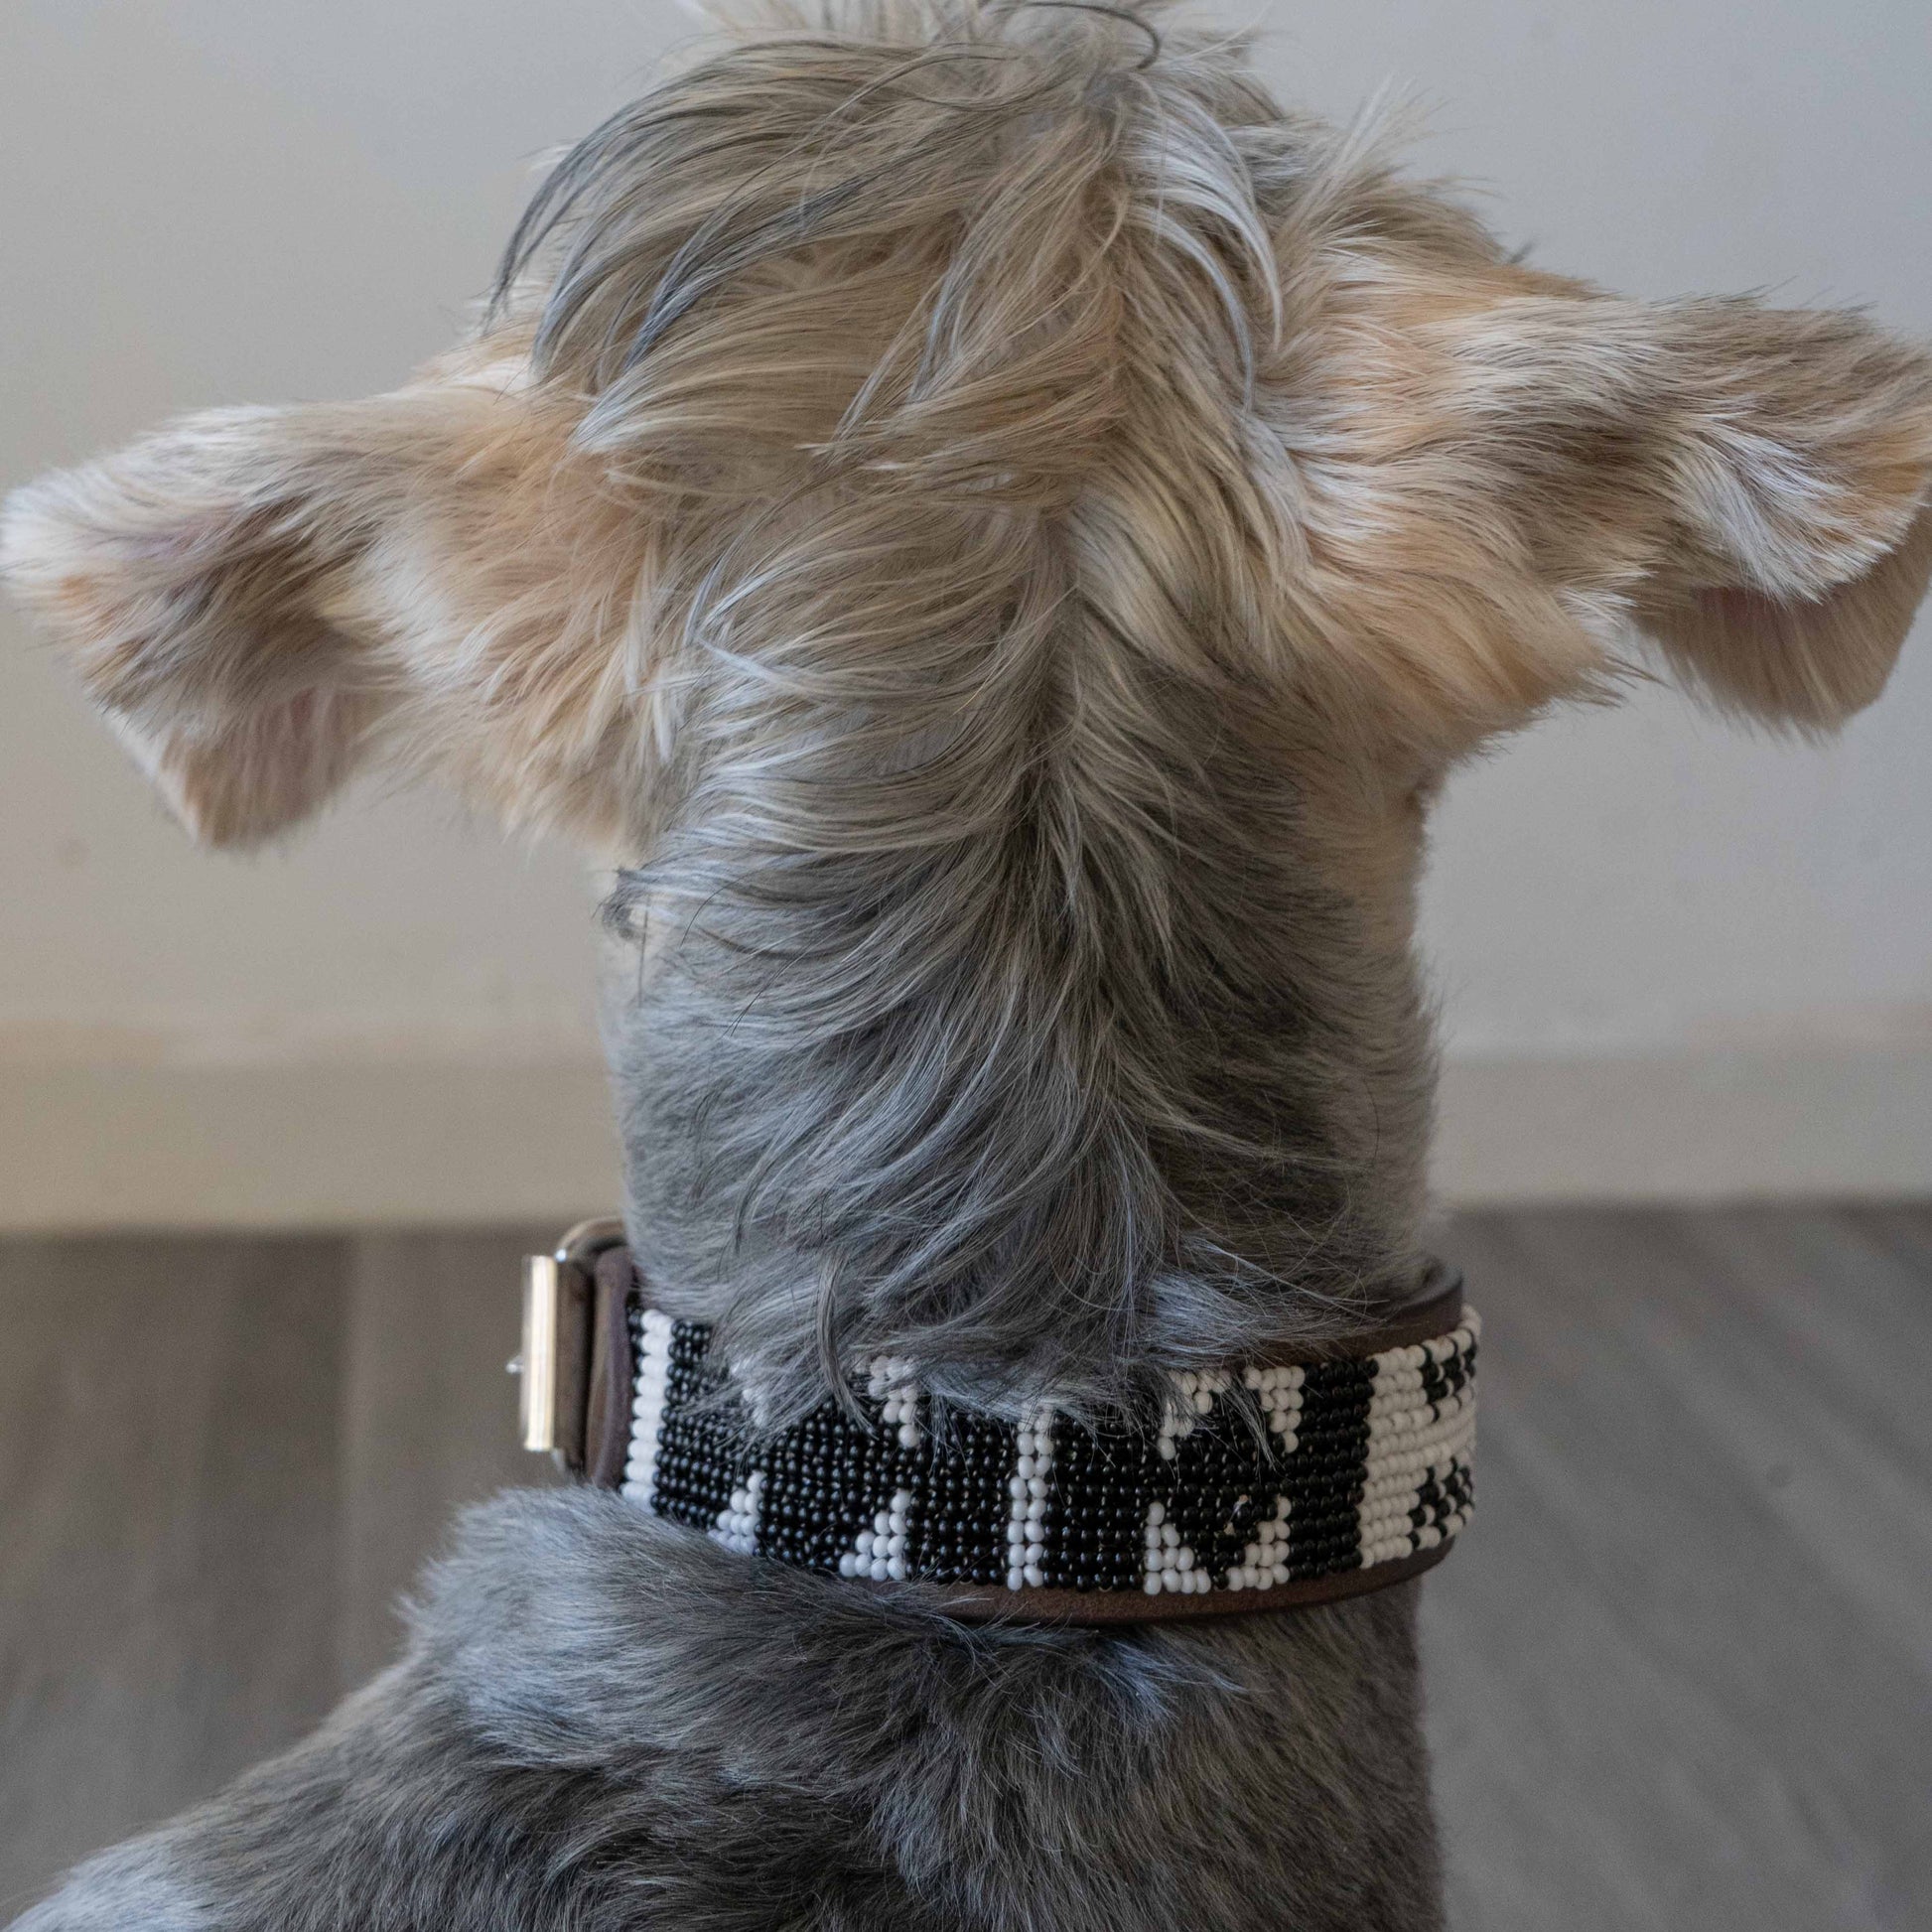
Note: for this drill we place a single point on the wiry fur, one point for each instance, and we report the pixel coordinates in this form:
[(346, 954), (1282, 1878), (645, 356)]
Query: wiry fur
[(1008, 1022), (599, 1725), (1003, 531)]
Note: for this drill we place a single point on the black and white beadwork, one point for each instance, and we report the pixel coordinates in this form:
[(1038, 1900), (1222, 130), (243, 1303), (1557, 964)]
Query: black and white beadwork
[(1251, 1478)]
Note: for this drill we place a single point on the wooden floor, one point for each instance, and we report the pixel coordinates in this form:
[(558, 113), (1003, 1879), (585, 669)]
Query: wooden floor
[(1681, 1668)]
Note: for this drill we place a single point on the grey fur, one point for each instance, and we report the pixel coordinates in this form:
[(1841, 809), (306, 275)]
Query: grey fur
[(1007, 1024), (1008, 530), (603, 1723), (996, 1014)]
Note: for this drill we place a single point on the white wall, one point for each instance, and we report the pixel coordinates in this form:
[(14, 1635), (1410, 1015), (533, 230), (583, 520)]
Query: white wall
[(1671, 957)]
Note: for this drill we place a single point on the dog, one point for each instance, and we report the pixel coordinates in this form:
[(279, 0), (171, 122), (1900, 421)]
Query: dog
[(1001, 532)]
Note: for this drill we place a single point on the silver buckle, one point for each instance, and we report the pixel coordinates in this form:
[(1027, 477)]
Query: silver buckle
[(555, 1287)]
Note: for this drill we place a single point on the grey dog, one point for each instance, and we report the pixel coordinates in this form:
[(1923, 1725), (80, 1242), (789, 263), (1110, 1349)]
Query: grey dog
[(999, 532)]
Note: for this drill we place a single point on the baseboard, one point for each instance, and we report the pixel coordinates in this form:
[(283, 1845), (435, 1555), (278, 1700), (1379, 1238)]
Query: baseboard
[(1851, 1121), (353, 1143), (348, 1144)]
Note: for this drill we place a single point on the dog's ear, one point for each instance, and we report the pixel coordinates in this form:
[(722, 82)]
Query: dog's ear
[(264, 600), (1750, 484)]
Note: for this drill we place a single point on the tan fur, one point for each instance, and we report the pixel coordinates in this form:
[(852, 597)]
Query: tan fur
[(1460, 478), (1005, 530), (982, 372), (263, 601)]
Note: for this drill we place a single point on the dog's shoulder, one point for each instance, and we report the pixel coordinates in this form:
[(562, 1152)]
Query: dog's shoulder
[(602, 1721)]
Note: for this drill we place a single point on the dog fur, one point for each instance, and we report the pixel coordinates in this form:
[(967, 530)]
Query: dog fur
[(1002, 531)]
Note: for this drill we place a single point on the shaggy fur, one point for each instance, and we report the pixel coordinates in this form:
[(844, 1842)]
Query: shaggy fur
[(1002, 531), (600, 1723)]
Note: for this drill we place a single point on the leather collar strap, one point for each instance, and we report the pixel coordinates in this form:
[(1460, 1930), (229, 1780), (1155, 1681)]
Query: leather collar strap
[(1316, 1474)]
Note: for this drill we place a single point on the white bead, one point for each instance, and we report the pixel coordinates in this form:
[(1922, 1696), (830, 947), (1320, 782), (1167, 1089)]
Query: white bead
[(1035, 1575), (880, 1573)]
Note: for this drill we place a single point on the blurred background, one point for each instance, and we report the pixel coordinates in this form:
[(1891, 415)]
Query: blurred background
[(272, 1132)]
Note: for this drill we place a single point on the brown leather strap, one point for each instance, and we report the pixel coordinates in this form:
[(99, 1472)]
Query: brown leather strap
[(971, 1605), (607, 1408), (1434, 1310)]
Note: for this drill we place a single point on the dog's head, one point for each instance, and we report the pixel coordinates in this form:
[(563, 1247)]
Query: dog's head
[(1010, 507), (1444, 490)]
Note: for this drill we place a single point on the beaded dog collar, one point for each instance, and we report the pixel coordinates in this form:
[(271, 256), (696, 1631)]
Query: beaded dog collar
[(1312, 1476)]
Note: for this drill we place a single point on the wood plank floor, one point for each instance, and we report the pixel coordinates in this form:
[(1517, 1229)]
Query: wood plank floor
[(1681, 1672)]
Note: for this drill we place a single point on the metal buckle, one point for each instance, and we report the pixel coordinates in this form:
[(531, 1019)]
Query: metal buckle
[(554, 1361)]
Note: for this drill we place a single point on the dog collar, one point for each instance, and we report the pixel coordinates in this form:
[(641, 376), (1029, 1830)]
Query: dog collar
[(1311, 1475)]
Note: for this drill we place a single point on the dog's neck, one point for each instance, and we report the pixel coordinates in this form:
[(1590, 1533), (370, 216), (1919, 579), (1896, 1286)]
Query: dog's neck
[(1035, 1107)]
